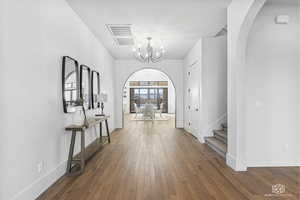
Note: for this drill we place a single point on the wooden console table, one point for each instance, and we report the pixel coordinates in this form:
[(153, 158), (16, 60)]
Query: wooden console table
[(81, 129)]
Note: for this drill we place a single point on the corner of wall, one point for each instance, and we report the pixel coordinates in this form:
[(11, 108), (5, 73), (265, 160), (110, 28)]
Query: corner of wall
[(234, 164)]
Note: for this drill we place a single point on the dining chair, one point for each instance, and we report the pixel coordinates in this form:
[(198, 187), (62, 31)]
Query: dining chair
[(149, 111), (160, 109), (137, 110)]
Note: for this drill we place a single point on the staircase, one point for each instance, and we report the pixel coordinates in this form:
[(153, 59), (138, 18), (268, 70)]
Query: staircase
[(219, 141)]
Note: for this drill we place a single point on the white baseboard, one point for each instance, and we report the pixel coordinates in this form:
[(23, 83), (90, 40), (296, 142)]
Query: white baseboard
[(201, 139), (236, 166), (275, 164), (41, 184), (230, 161)]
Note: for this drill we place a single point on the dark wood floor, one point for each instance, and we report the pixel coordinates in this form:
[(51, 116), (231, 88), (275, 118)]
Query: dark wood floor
[(155, 161)]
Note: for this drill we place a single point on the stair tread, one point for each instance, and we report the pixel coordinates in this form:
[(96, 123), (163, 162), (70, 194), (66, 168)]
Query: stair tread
[(221, 138), (223, 133), (217, 143)]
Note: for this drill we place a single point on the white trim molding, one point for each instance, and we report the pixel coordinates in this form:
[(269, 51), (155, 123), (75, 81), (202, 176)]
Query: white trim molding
[(40, 185), (201, 139), (240, 18), (232, 162)]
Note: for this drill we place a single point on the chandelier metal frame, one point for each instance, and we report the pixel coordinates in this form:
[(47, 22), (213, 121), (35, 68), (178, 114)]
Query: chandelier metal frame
[(149, 53)]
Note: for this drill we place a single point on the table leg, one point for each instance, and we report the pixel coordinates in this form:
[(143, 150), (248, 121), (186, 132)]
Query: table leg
[(71, 152), (82, 153), (100, 132), (107, 130)]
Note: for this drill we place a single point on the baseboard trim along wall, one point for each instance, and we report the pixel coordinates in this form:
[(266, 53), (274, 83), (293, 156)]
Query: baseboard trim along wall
[(232, 162), (40, 185), (35, 189), (201, 139), (275, 164)]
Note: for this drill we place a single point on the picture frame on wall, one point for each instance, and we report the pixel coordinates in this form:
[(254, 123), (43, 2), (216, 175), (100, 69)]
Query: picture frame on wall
[(95, 88), (85, 86), (70, 84)]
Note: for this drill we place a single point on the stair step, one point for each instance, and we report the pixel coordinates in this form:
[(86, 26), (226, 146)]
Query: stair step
[(217, 145), (221, 139), (221, 135)]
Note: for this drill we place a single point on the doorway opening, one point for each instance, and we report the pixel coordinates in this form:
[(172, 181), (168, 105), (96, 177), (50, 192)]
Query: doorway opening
[(149, 95)]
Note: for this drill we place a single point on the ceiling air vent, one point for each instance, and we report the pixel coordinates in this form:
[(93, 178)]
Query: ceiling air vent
[(125, 41), (120, 30), (121, 33)]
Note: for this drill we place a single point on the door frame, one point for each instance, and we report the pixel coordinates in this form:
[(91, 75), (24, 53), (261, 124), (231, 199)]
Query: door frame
[(200, 107)]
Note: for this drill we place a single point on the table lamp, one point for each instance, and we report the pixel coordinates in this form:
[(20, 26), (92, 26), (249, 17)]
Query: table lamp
[(102, 99), (80, 102)]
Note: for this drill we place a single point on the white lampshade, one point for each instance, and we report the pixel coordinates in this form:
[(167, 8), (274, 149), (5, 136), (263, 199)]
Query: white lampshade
[(103, 97)]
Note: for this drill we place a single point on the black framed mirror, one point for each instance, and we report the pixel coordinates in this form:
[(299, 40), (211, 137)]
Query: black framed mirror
[(70, 84), (85, 86), (95, 89)]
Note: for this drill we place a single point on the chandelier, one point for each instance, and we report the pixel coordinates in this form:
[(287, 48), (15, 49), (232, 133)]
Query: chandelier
[(148, 53)]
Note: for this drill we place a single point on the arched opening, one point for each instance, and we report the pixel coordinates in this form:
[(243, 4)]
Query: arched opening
[(262, 85), (271, 76), (238, 32), (145, 91)]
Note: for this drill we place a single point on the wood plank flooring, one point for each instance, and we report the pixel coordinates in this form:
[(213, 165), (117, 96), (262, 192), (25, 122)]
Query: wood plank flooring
[(155, 161)]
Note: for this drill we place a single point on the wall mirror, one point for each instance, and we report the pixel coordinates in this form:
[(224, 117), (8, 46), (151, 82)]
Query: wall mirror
[(95, 89), (85, 86), (70, 84)]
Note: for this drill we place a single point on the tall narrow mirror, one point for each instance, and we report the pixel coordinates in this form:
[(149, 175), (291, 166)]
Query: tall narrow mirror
[(85, 86), (70, 84), (95, 89)]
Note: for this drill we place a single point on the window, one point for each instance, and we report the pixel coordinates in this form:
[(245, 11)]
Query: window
[(154, 96)]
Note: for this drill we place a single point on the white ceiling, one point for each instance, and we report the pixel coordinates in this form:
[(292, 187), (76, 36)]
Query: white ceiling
[(286, 2), (178, 24)]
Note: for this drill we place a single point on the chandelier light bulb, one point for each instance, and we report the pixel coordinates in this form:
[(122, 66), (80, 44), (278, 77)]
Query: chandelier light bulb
[(134, 49)]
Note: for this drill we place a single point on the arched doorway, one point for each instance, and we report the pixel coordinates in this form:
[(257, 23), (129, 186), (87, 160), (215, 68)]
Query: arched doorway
[(149, 86), (238, 32)]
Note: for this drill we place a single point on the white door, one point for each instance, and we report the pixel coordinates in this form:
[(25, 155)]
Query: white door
[(188, 105), (193, 103)]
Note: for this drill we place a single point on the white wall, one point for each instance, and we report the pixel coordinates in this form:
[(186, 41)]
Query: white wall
[(151, 75), (214, 84), (34, 37), (211, 53), (125, 68), (272, 88)]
